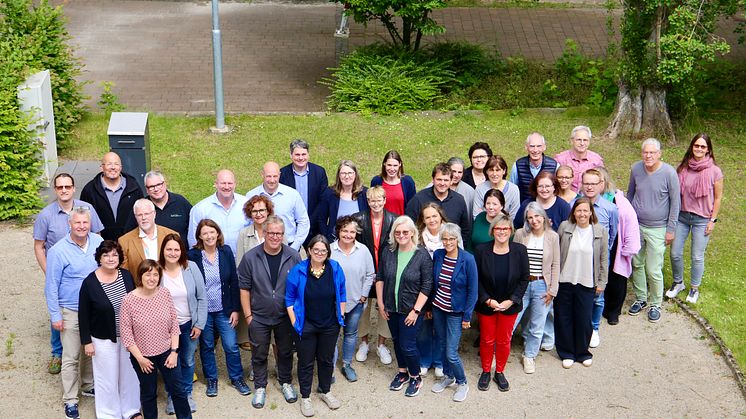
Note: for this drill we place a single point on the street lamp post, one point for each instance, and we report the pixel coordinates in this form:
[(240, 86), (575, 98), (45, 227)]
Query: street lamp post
[(217, 64)]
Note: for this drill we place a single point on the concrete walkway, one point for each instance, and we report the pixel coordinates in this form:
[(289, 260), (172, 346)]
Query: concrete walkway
[(159, 54)]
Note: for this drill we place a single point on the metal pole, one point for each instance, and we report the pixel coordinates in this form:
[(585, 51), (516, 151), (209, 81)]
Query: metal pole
[(217, 63)]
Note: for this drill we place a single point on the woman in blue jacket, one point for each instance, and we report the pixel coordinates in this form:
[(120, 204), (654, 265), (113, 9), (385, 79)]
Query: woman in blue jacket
[(456, 284), (346, 196), (315, 297)]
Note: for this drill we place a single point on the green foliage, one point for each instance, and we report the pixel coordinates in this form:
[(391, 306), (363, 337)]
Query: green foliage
[(405, 20), (582, 71), (470, 63), (720, 85), (109, 101)]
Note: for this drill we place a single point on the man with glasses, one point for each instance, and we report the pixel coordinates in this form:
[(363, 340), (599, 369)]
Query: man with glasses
[(262, 274), (112, 194), (526, 168), (578, 157), (51, 225), (171, 209), (143, 242)]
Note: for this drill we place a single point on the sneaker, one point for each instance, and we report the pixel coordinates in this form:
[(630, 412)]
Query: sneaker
[(675, 289), (502, 382), (288, 392), (170, 407), (331, 401), (637, 307), (414, 386), (423, 372), (349, 373), (362, 352), (461, 391), (484, 381), (546, 347), (55, 365), (529, 366), (691, 298), (240, 385), (398, 382), (192, 403), (588, 362), (71, 411), (595, 339), (439, 372), (306, 407), (91, 392), (443, 384), (567, 363), (654, 314), (384, 354), (260, 397), (212, 388)]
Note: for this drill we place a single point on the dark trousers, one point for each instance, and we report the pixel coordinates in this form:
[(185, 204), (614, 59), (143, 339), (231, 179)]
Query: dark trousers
[(616, 289), (316, 345), (149, 387), (260, 335), (405, 342), (573, 306)]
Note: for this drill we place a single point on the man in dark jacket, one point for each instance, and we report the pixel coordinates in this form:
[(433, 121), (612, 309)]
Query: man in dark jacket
[(526, 168), (308, 179), (113, 194)]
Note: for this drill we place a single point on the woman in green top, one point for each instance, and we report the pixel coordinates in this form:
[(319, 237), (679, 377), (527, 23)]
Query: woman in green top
[(494, 204)]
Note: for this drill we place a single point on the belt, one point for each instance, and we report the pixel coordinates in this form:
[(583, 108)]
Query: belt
[(535, 278)]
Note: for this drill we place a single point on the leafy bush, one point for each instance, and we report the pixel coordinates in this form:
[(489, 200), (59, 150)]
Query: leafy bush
[(469, 63), (579, 70), (109, 101)]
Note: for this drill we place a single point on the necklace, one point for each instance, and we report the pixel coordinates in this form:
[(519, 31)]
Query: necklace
[(318, 272)]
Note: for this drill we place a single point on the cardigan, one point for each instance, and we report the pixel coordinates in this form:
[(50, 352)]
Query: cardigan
[(96, 315), (600, 251), (228, 277), (628, 235), (407, 186), (196, 297), (517, 278), (324, 218), (464, 281), (295, 288), (550, 264), (114, 227), (416, 278)]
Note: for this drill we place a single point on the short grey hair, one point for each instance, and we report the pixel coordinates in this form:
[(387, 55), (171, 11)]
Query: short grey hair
[(581, 128), (653, 142), (409, 224), (538, 210), (452, 230), (528, 137), (456, 160), (273, 219), (79, 211), (298, 143), (142, 202), (156, 174), (500, 218)]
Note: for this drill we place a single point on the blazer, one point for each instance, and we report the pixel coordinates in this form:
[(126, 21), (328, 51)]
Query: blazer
[(295, 289), (94, 194), (96, 316), (464, 282), (196, 296), (317, 183), (550, 263), (228, 277), (407, 186), (517, 278), (600, 250), (134, 253), (416, 278), (324, 218)]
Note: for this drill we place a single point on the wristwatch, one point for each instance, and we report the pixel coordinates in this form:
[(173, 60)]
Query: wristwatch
[(714, 220), (176, 351), (416, 311)]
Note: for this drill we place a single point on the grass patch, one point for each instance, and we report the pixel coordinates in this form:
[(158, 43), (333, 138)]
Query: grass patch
[(190, 157)]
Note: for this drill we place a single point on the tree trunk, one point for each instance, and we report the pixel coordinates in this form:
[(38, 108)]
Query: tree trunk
[(640, 112)]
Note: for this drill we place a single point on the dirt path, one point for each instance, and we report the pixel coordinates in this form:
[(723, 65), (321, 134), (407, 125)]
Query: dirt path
[(667, 369)]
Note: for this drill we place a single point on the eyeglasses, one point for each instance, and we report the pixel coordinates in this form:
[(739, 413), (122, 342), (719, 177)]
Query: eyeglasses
[(501, 229), (448, 239), (484, 156), (274, 234), (64, 187), (702, 146), (144, 214), (154, 187), (591, 184), (346, 174), (402, 233), (319, 252), (564, 177), (258, 211), (112, 164)]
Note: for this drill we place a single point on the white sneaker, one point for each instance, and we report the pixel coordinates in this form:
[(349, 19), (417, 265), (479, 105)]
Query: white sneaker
[(693, 296), (362, 352), (547, 347), (567, 363), (595, 339), (675, 289), (384, 354), (439, 372), (306, 407), (588, 362), (423, 372), (529, 366), (331, 401)]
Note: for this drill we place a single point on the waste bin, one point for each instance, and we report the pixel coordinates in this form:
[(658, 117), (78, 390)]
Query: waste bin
[(128, 137)]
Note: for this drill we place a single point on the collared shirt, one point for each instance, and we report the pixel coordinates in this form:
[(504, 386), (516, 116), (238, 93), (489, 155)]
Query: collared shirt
[(213, 287), (534, 171), (67, 266), (290, 208), (590, 161), (149, 244), (231, 221), (52, 223), (608, 216), (358, 269), (301, 184), (114, 195), (175, 214)]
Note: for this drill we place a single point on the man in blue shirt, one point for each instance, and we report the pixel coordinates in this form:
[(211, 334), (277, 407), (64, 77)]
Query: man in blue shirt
[(288, 205), (51, 225), (225, 207), (69, 262)]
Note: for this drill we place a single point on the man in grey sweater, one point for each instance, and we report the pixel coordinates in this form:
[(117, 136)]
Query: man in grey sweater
[(654, 193)]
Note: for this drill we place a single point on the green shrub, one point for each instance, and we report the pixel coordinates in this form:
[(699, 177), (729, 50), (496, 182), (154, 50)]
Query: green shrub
[(469, 63), (109, 101)]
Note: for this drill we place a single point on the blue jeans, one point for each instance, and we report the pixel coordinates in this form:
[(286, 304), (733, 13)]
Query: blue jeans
[(350, 333), (689, 222), (448, 334), (548, 338), (187, 346), (431, 353), (56, 342), (405, 342), (533, 316), (218, 320), (598, 310)]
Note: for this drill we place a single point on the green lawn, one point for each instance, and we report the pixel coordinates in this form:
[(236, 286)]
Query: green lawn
[(189, 156)]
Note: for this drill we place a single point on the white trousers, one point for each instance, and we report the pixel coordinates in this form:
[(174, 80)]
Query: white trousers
[(117, 386)]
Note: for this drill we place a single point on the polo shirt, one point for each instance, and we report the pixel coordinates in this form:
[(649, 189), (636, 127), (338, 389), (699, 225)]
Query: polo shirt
[(52, 223)]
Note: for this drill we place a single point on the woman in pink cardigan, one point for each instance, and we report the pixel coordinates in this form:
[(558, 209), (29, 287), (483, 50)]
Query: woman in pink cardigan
[(626, 245)]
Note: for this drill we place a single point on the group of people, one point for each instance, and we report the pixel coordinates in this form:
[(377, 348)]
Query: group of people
[(544, 248)]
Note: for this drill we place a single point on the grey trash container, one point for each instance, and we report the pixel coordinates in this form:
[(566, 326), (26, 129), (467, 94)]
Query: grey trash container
[(128, 137)]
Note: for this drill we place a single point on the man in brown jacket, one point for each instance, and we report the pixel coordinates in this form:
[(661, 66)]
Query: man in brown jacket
[(143, 242)]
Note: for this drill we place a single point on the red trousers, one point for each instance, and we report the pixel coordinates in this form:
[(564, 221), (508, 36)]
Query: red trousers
[(495, 332)]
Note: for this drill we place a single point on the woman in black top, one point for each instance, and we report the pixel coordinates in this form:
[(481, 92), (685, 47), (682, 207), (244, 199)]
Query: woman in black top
[(503, 278), (101, 295), (479, 153)]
